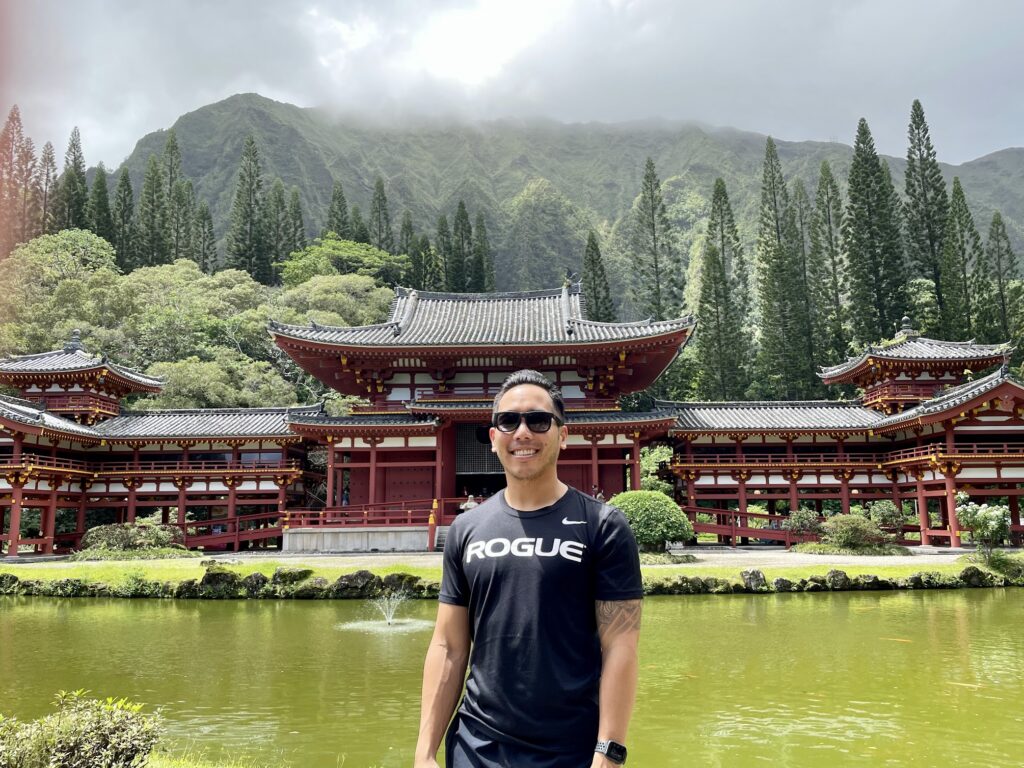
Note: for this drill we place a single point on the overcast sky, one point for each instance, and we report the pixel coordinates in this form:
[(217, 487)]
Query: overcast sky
[(797, 69)]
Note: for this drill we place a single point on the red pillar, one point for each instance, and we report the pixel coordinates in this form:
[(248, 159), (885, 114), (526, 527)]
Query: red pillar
[(49, 521), (15, 530), (954, 524), (634, 466), (80, 515), (132, 505), (373, 469), (329, 501), (922, 512), (595, 477), (182, 502)]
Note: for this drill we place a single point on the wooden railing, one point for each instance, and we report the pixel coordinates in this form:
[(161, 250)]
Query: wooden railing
[(727, 522), (231, 530), (51, 462)]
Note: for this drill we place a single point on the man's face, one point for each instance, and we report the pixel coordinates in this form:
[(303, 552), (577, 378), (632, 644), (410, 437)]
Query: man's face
[(527, 455)]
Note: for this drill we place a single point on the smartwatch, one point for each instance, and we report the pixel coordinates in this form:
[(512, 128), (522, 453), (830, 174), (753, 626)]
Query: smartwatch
[(612, 750)]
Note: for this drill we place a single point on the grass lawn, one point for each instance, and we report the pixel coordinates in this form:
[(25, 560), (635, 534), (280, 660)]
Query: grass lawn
[(114, 573)]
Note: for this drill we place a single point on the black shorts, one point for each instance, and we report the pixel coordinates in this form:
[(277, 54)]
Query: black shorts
[(466, 746)]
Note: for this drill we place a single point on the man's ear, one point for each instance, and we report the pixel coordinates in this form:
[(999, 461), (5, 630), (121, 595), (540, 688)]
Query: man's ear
[(490, 434), (564, 436)]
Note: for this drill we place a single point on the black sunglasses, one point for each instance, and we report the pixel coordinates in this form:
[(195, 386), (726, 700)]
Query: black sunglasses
[(536, 421)]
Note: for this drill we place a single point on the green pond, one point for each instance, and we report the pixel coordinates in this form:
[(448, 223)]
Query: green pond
[(874, 679)]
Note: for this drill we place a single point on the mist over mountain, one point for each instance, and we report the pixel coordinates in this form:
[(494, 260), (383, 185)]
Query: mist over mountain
[(548, 179)]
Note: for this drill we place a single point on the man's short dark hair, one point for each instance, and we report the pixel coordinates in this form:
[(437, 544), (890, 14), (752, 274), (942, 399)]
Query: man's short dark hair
[(527, 376)]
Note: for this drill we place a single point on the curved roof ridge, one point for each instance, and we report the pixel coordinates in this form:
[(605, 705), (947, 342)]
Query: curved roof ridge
[(756, 403), (648, 322), (22, 402), (541, 293), (187, 411), (315, 326)]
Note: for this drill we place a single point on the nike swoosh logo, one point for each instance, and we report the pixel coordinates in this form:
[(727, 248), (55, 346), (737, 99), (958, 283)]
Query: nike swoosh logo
[(567, 521)]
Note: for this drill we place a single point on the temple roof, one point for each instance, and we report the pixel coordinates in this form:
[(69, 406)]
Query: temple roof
[(204, 422), (394, 419), (767, 416), (428, 319), (952, 398), (909, 346), (34, 415), (74, 358)]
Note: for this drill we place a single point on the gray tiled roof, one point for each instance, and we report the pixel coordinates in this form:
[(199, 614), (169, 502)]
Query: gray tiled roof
[(207, 422), (918, 348), (26, 412), (72, 359), (953, 397), (421, 318), (772, 415), (573, 417), (397, 419)]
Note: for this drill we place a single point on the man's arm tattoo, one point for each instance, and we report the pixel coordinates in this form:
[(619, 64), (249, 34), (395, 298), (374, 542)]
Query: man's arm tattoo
[(616, 616)]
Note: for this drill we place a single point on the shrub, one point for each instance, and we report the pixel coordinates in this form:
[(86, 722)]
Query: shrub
[(83, 733), (654, 518), (853, 532), (153, 553), (989, 524), (885, 514), (121, 536), (804, 521)]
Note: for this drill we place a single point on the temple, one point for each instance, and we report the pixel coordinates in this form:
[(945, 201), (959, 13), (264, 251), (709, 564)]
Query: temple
[(393, 472)]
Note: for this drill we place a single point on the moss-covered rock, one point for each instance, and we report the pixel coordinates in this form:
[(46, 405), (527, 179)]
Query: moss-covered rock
[(70, 588), (288, 574), (187, 589), (220, 583), (837, 580), (316, 588), (754, 580), (784, 585), (402, 583), (8, 584), (972, 576), (255, 584), (361, 584), (716, 586)]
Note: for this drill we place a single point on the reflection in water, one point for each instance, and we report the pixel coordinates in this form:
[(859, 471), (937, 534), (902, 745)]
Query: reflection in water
[(860, 679)]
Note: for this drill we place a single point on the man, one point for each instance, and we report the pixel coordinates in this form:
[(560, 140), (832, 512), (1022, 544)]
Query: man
[(541, 592)]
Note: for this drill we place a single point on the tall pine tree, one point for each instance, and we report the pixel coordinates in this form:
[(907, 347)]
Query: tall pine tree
[(26, 191), (338, 221), (360, 232), (101, 220), (483, 261), (462, 250), (381, 234), (73, 189), (47, 183), (296, 223), (125, 234), (180, 200), (247, 240), (1004, 273), (433, 267), (827, 269), (661, 276), (722, 346), (443, 246), (203, 242), (873, 243), (152, 247), (962, 260), (276, 228), (927, 204), (595, 283), (784, 369)]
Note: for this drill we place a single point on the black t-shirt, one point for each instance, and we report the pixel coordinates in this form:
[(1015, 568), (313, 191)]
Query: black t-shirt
[(529, 580)]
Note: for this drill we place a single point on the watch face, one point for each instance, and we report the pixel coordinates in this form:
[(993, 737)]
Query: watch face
[(612, 750)]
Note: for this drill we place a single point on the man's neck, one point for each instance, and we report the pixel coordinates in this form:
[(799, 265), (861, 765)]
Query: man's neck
[(530, 495)]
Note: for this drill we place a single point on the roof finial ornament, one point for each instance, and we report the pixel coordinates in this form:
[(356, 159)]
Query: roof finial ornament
[(75, 344)]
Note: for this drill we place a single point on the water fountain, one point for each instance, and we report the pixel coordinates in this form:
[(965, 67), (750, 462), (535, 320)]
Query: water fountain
[(388, 604)]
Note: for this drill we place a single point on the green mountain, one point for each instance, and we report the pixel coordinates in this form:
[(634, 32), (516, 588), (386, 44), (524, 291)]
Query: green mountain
[(547, 180)]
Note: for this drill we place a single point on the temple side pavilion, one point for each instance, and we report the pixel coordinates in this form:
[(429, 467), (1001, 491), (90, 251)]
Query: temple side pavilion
[(919, 434)]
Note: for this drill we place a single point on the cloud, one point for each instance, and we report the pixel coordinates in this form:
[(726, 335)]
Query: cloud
[(799, 69)]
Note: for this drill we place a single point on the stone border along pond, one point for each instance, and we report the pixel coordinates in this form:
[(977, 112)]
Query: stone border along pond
[(293, 583)]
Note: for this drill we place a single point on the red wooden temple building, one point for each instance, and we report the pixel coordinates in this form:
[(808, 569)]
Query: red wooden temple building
[(920, 433), (70, 456)]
